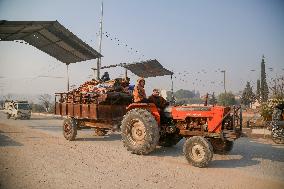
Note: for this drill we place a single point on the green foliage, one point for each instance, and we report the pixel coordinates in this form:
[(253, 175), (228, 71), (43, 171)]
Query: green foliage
[(37, 108), (266, 108), (258, 92), (2, 104), (45, 100), (277, 87), (248, 97), (226, 99), (189, 101), (51, 109), (264, 91), (185, 97), (180, 94), (212, 99)]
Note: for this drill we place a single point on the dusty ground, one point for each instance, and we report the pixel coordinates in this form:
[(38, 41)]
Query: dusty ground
[(34, 154)]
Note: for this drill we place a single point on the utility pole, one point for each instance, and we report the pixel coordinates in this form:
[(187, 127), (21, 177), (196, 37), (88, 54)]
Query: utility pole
[(100, 43), (224, 71)]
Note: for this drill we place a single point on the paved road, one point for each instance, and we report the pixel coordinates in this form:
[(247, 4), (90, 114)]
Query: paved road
[(34, 154)]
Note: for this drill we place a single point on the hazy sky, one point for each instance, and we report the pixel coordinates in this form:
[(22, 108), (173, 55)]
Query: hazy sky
[(201, 37)]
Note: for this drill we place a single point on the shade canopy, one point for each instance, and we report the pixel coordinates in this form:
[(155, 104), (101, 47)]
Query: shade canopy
[(50, 37), (148, 68)]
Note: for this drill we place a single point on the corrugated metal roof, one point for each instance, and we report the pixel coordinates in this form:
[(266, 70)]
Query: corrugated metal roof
[(50, 37), (148, 68)]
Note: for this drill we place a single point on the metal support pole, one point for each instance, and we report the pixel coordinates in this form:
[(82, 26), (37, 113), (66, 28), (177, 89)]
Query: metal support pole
[(172, 90), (67, 66), (100, 43), (125, 73)]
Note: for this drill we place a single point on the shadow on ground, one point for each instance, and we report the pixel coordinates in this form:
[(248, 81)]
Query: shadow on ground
[(47, 128), (46, 118), (246, 152), (251, 152), (110, 137), (174, 151), (7, 141)]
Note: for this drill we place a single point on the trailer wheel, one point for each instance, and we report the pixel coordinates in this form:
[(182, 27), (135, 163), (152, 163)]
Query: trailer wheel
[(198, 151), (8, 116), (220, 146), (169, 140), (69, 128), (139, 131)]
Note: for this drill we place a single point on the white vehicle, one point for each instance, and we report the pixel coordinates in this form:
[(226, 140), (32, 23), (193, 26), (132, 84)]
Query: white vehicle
[(17, 109)]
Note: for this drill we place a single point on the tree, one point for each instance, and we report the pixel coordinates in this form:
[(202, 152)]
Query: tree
[(263, 84), (180, 94), (277, 88), (258, 92), (37, 107), (248, 97), (46, 101), (184, 96), (213, 99), (226, 99)]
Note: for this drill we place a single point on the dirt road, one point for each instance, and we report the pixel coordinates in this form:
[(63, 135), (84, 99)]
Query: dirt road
[(34, 154)]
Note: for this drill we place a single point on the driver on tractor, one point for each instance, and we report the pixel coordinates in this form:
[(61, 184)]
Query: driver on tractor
[(159, 101)]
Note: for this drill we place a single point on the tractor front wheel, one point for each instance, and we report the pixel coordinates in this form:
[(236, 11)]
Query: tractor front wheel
[(139, 131), (198, 151), (70, 128)]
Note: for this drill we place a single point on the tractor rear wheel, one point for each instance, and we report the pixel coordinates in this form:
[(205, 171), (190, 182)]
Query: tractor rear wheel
[(198, 151), (169, 140), (220, 146), (139, 131), (70, 128)]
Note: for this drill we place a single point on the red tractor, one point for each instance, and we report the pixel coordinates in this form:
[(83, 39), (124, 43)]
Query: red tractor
[(207, 129)]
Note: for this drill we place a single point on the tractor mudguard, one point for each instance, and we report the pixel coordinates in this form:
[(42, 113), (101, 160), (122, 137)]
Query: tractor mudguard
[(151, 107)]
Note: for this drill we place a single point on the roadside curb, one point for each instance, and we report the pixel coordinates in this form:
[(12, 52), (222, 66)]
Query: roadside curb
[(257, 133), (49, 115)]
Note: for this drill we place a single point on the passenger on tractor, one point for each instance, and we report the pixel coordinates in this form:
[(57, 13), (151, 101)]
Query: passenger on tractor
[(139, 94), (159, 101), (105, 77)]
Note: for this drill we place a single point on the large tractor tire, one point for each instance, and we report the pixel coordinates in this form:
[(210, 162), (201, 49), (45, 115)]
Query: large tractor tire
[(198, 151), (139, 131), (169, 140), (69, 129), (220, 146)]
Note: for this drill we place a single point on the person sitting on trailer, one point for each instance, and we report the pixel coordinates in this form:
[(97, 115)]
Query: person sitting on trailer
[(158, 100), (105, 77), (139, 94)]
